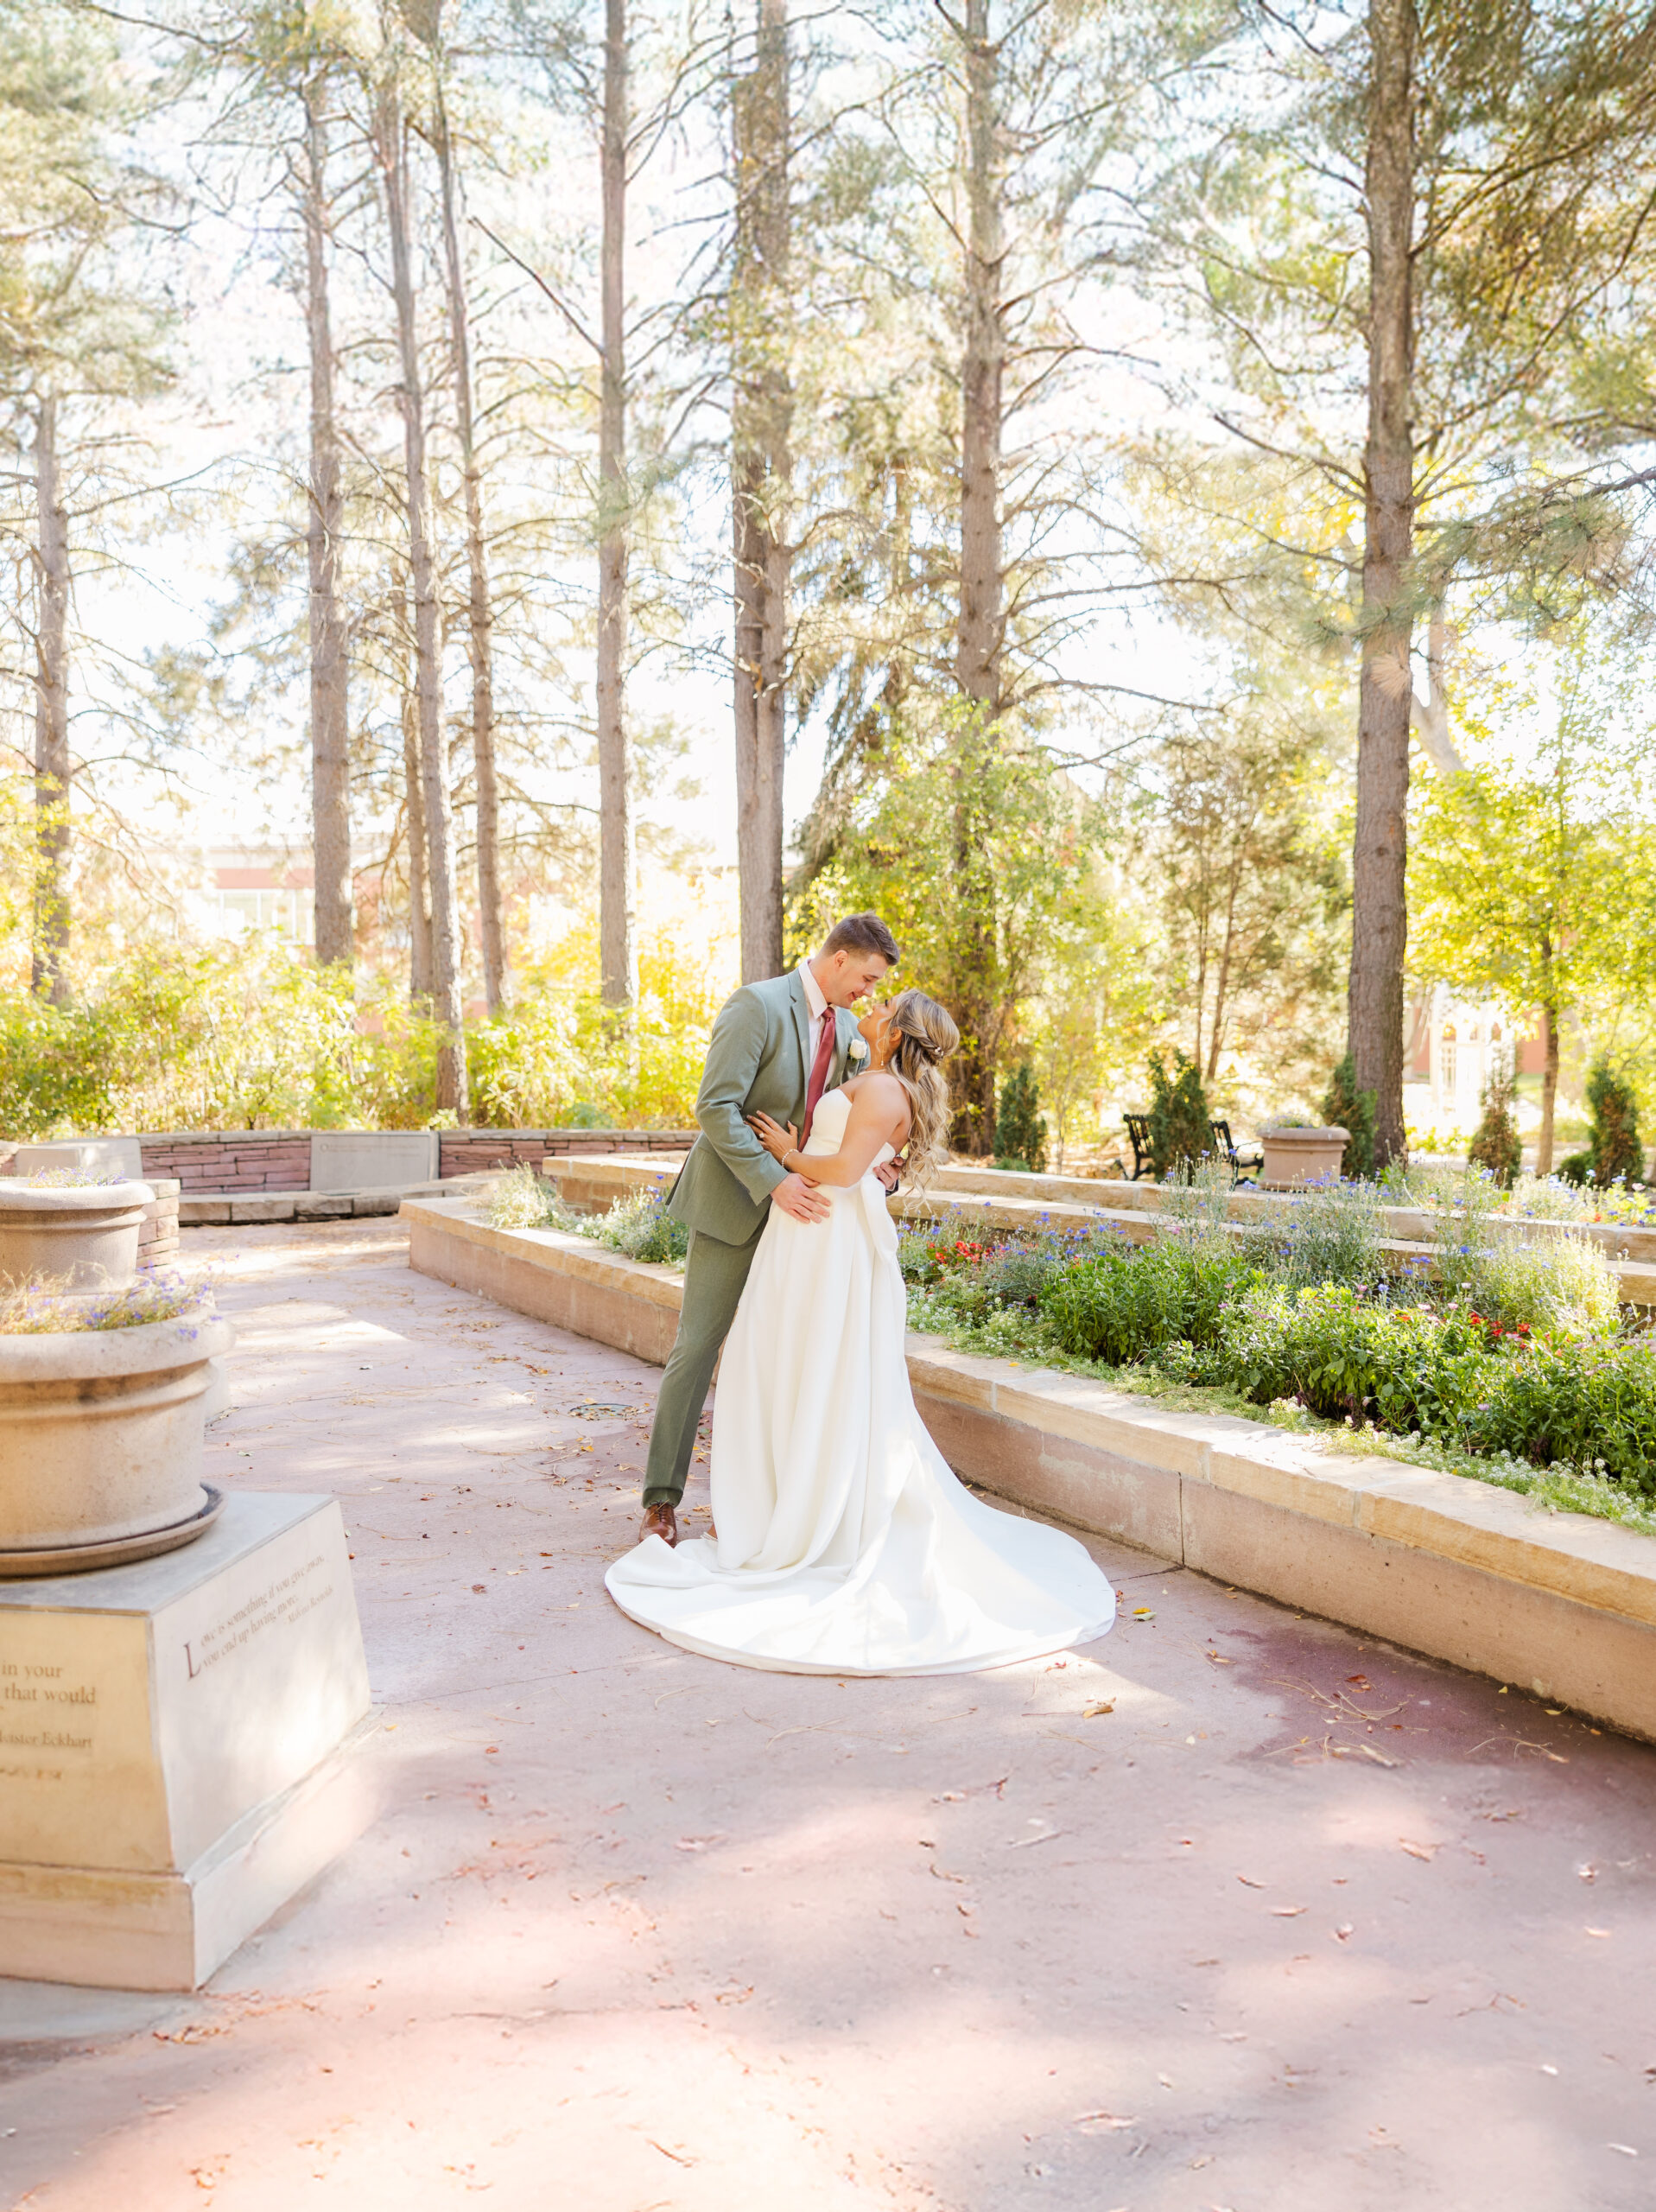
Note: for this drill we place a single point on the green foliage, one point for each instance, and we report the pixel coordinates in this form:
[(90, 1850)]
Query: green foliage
[(1345, 1356), (1617, 1153), (47, 1308), (641, 1229), (521, 1198), (1121, 1304), (1021, 1127), (255, 1035), (1495, 1143), (1576, 1168), (1330, 1234), (1584, 1405), (1345, 1107), (979, 855), (1179, 1131), (1557, 1285)]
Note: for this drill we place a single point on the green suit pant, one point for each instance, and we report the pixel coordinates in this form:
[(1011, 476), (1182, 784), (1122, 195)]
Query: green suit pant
[(715, 1274)]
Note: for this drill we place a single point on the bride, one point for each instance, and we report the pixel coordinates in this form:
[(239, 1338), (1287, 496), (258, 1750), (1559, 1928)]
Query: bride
[(841, 1543)]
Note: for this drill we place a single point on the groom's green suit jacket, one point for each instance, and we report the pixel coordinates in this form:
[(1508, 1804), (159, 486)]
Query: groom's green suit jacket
[(759, 1061)]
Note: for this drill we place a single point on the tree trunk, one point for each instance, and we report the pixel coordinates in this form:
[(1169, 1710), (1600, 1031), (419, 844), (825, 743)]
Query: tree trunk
[(618, 955), (1379, 915), (419, 889), (981, 634), (433, 766), (330, 756), (1549, 1076), (52, 768), (480, 604), (761, 465)]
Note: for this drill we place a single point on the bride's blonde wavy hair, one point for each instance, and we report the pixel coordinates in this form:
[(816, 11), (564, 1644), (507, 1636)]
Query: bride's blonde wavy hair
[(925, 1037)]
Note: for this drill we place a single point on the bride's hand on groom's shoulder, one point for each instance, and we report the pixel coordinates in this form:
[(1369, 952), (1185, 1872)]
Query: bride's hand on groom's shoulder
[(778, 1138)]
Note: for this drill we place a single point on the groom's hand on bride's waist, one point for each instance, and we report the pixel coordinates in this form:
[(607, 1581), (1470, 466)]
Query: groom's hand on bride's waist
[(890, 1173), (802, 1200)]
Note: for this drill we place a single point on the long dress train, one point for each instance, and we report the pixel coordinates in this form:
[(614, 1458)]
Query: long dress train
[(845, 1545)]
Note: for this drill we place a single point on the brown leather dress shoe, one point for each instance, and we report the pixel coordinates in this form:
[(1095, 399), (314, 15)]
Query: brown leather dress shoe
[(660, 1521)]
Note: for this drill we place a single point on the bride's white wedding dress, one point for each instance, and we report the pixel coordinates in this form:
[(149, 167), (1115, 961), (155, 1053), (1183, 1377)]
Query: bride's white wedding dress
[(845, 1546)]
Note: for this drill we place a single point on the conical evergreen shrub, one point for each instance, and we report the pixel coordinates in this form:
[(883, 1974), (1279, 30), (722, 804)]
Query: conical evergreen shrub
[(1021, 1127), (1179, 1114)]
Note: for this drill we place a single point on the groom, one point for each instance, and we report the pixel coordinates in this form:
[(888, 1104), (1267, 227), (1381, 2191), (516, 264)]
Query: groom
[(777, 1047)]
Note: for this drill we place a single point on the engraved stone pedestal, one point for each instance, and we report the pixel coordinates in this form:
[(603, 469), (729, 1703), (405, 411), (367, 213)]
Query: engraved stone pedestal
[(176, 1747)]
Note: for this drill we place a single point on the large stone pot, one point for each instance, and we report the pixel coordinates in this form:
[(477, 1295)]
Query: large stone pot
[(1293, 1156), (100, 1443), (89, 1235)]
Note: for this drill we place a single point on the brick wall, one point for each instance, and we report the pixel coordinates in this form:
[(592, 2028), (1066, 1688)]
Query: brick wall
[(230, 1160), (465, 1152)]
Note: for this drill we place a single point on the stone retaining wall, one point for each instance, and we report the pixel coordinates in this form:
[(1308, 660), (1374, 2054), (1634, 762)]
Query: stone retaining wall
[(230, 1160), (1562, 1606), (466, 1151), (250, 1160)]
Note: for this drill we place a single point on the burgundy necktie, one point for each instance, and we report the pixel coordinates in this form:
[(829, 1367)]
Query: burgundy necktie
[(819, 1075)]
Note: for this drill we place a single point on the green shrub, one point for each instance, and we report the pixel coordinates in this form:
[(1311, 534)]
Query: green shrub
[(1495, 1144), (1617, 1154), (522, 1199), (1558, 1285), (48, 1307), (1330, 1234), (1017, 1276), (1021, 1127), (1576, 1169), (641, 1228), (1121, 1304), (1591, 1405), (1178, 1117), (1345, 1107), (1349, 1356)]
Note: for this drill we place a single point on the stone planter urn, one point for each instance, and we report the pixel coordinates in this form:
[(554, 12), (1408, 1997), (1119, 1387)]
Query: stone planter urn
[(89, 1235), (1295, 1157), (101, 1443)]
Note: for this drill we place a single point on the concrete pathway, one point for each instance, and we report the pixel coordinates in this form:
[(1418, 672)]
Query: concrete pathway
[(1233, 1912)]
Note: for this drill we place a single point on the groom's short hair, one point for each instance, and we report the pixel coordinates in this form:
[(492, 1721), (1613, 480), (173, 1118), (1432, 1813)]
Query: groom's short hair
[(863, 933)]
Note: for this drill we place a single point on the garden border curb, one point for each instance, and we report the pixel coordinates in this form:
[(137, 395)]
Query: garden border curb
[(1561, 1604)]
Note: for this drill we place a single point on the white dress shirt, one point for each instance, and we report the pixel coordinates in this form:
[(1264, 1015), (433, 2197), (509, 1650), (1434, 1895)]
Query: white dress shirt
[(821, 1011)]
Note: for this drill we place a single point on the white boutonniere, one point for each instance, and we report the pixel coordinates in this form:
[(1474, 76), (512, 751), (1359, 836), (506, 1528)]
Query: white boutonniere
[(856, 1052)]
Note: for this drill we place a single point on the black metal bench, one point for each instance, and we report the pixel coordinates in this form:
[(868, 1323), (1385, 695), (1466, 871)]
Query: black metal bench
[(1139, 1138), (1253, 1157), (1224, 1146)]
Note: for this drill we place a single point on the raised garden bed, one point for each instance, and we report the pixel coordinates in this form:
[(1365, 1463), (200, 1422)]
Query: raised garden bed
[(1562, 1605)]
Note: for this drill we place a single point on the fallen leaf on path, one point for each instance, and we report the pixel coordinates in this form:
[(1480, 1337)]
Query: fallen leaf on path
[(1361, 1681), (699, 1842), (678, 2157), (1092, 1711), (1426, 1851), (1248, 1882), (1022, 1842), (1289, 1911), (1598, 1931), (1099, 2123), (1342, 1933)]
